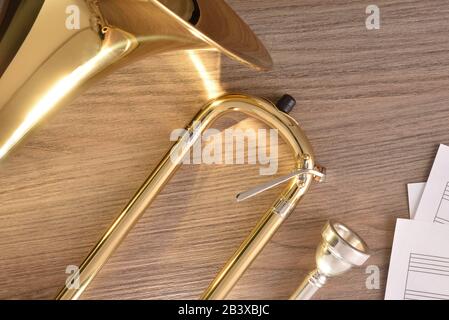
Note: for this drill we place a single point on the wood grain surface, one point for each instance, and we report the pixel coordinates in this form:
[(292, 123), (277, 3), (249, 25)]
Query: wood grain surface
[(375, 105)]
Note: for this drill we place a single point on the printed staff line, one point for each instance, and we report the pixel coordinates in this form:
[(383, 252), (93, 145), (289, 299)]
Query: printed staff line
[(427, 297), (431, 264), (428, 255), (424, 260), (425, 268), (428, 259), (410, 295), (439, 205), (433, 273), (426, 292)]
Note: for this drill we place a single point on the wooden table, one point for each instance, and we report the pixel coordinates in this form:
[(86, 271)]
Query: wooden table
[(374, 104)]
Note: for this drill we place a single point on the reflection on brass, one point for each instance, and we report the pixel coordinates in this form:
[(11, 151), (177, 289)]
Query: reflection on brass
[(340, 250), (46, 65), (16, 17), (297, 186)]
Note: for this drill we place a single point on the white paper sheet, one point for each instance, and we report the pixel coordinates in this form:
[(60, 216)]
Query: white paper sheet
[(415, 191), (434, 204), (419, 265)]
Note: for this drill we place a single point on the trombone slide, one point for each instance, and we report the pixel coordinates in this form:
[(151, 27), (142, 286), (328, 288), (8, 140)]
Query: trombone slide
[(219, 288)]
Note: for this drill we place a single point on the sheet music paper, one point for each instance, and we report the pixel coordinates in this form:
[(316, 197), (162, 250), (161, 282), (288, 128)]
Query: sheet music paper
[(415, 191), (419, 265), (434, 204)]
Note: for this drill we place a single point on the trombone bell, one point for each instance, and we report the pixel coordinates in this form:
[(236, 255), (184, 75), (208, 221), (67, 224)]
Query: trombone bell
[(45, 62)]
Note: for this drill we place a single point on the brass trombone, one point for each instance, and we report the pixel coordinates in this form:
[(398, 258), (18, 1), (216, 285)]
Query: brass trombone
[(44, 63), (267, 226)]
